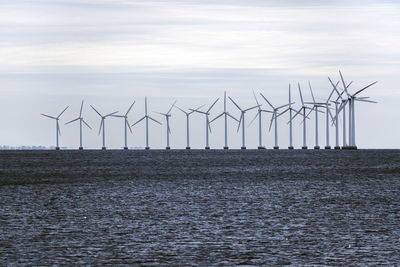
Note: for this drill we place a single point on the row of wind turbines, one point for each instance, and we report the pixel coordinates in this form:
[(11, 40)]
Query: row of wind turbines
[(342, 100)]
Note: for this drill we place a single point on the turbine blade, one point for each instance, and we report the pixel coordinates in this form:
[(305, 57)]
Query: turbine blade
[(344, 84), (138, 121), (145, 105), (127, 124), (72, 121), (235, 103), (62, 112), (172, 106), (301, 96), (359, 91), (312, 94), (240, 121), (232, 117), (209, 127), (255, 117), (129, 109), (365, 100), (267, 101), (80, 113), (254, 94), (112, 113), (51, 117), (285, 105), (283, 112), (101, 125), (96, 111), (217, 117), (272, 120), (251, 108), (212, 105), (86, 124), (154, 120), (196, 109), (182, 110)]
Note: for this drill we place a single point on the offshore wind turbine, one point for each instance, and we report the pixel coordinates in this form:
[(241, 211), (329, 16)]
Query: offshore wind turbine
[(102, 125), (241, 120), (58, 132), (126, 125), (316, 105), (81, 120), (335, 119), (302, 111), (351, 98), (187, 123), (290, 121), (147, 117), (275, 117), (226, 121), (208, 127), (167, 116), (259, 115)]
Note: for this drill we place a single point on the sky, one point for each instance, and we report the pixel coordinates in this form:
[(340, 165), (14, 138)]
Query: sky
[(56, 53)]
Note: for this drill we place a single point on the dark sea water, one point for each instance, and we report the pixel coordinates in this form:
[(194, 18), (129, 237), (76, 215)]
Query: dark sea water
[(200, 207)]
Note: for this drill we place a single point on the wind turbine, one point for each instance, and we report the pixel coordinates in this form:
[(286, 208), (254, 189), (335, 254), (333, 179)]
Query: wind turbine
[(126, 125), (335, 119), (58, 132), (187, 123), (226, 121), (303, 109), (208, 127), (275, 117), (259, 115), (290, 121), (147, 117), (316, 105), (351, 98), (241, 120), (102, 125), (81, 120), (167, 116)]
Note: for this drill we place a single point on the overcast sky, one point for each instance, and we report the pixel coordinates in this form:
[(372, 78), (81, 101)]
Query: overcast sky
[(54, 53)]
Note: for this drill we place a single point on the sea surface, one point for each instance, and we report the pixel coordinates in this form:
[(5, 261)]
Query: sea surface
[(200, 207)]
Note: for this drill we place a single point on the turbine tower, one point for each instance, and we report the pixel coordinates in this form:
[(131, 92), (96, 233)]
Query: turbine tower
[(259, 115), (167, 116), (316, 105), (351, 98), (58, 132), (187, 123), (208, 127), (126, 125), (242, 121), (275, 118), (102, 125), (81, 120), (147, 117), (226, 121)]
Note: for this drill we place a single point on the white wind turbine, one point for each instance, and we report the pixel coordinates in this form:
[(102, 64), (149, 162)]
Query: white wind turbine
[(351, 98), (58, 132), (126, 125), (303, 110), (259, 115), (147, 117), (208, 127), (102, 125), (167, 116), (226, 121), (316, 105), (275, 116), (81, 120), (242, 121), (187, 123), (335, 119)]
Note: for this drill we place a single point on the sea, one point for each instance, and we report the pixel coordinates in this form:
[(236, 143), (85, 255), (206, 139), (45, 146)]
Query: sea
[(200, 208)]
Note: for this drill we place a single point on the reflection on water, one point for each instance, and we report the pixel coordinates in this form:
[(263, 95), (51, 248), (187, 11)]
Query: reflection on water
[(204, 207)]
